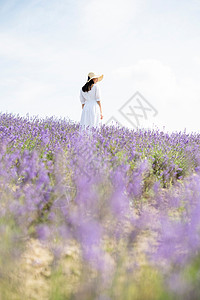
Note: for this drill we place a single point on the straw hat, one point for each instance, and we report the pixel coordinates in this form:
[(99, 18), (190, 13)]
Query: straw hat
[(92, 75)]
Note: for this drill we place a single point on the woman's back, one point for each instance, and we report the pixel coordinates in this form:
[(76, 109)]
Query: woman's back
[(92, 95)]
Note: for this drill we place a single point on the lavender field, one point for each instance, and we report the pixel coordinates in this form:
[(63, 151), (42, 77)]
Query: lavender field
[(114, 214)]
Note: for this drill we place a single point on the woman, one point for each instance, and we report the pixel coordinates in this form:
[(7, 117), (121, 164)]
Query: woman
[(90, 97)]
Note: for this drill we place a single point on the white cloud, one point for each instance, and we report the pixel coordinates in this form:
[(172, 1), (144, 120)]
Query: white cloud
[(149, 74), (176, 99)]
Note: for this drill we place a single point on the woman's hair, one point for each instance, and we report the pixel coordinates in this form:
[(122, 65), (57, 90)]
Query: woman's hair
[(87, 87)]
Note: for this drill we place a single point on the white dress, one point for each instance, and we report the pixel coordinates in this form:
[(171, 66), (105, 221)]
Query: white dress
[(90, 116)]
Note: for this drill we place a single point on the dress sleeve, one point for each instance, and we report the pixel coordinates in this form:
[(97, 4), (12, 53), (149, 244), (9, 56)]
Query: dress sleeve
[(82, 98), (98, 93)]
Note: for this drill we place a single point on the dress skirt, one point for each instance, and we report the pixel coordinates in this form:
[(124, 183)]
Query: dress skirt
[(90, 116)]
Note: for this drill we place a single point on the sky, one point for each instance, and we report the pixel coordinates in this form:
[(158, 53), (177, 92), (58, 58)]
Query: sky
[(147, 50)]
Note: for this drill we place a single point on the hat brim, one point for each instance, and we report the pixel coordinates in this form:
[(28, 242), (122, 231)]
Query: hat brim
[(99, 78)]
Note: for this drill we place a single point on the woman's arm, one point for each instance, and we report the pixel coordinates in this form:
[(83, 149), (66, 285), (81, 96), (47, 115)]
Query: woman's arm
[(99, 102), (98, 98), (83, 105)]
